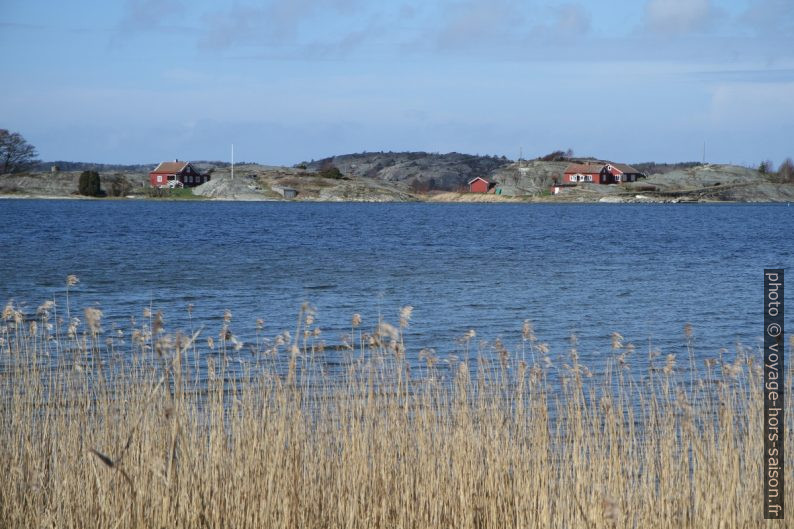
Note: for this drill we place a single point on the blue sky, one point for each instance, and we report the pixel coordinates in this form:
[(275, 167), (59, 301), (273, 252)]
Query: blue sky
[(291, 80)]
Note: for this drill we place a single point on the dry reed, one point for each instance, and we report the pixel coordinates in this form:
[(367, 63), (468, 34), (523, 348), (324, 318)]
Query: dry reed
[(116, 434)]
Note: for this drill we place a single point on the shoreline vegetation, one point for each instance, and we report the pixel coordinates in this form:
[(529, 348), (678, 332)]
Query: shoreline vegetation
[(166, 428)]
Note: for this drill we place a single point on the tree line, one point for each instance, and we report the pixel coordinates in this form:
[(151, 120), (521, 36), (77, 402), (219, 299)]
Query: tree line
[(784, 173)]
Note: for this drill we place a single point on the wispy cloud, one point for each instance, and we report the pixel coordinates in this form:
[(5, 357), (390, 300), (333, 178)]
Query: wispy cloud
[(150, 15), (774, 75), (346, 44), (238, 24), (277, 23), (679, 17), (505, 30), (567, 19), (767, 17), (320, 29), (757, 104), (501, 28), (22, 27), (476, 22)]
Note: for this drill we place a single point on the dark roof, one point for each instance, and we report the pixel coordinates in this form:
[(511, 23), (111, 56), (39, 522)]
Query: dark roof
[(584, 168), (625, 168), (592, 167), (170, 167)]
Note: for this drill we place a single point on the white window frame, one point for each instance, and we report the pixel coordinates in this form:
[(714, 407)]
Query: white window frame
[(159, 179)]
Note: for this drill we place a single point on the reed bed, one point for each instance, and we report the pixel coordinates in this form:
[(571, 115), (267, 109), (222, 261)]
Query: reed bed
[(172, 430)]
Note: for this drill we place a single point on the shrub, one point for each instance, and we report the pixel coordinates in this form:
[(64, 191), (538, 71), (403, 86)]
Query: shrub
[(119, 186), (331, 172), (89, 184)]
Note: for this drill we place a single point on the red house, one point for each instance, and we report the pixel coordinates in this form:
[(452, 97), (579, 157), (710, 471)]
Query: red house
[(583, 172), (600, 173), (480, 185), (176, 174)]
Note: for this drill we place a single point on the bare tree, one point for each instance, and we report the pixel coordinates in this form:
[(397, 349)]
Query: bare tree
[(15, 153), (786, 171)]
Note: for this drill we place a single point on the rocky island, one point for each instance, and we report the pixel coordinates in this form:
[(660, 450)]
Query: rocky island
[(413, 176)]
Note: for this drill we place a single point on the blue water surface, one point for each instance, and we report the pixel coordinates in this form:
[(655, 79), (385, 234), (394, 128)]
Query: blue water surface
[(643, 270)]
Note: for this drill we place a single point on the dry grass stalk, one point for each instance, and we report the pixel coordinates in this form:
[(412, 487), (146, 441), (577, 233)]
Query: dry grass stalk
[(491, 441)]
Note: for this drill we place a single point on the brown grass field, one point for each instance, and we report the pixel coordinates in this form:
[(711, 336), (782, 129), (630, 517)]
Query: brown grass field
[(126, 431)]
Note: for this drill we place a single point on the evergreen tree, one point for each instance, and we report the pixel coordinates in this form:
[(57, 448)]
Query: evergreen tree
[(89, 184)]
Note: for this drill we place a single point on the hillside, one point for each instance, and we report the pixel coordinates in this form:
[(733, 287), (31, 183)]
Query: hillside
[(651, 168), (362, 180), (531, 177), (257, 182), (699, 183), (716, 182), (65, 183), (420, 171)]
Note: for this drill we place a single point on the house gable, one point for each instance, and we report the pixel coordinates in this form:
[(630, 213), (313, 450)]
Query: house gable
[(470, 182), (480, 185)]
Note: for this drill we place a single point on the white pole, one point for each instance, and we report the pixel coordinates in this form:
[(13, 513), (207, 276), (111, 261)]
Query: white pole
[(232, 161)]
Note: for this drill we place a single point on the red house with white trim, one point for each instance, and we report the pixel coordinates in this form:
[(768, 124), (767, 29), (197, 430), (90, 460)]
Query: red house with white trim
[(583, 172), (600, 173), (480, 185), (176, 174)]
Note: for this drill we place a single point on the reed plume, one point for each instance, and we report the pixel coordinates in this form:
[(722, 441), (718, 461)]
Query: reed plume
[(380, 436)]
